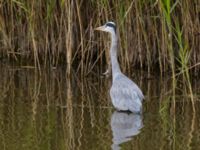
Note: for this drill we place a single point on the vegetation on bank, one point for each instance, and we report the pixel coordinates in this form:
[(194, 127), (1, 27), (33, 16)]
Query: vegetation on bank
[(152, 33)]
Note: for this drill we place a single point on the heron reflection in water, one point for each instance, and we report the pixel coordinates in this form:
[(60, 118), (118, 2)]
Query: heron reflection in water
[(124, 126), (125, 94)]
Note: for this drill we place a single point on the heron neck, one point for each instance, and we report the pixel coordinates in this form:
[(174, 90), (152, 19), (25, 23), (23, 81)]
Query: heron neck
[(113, 54)]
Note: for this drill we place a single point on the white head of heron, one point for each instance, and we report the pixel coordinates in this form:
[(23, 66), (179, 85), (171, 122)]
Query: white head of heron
[(108, 27)]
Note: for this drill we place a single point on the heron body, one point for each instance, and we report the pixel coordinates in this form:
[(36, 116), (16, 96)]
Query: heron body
[(125, 94)]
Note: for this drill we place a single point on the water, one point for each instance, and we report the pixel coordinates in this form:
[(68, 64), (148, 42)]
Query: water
[(51, 111)]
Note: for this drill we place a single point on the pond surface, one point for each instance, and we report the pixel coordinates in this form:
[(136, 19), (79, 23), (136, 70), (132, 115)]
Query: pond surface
[(50, 111)]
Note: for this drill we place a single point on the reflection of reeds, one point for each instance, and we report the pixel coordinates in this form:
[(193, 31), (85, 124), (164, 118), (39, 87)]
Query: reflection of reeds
[(69, 121), (51, 111), (176, 127)]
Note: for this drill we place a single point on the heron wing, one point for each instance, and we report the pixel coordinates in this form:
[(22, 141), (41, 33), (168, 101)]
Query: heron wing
[(125, 82)]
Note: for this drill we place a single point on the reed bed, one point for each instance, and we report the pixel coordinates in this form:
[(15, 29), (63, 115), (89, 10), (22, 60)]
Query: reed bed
[(154, 34)]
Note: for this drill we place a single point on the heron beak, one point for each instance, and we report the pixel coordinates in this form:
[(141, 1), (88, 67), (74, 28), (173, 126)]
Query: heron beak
[(101, 28)]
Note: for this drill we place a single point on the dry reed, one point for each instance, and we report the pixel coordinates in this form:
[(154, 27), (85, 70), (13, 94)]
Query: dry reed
[(61, 33)]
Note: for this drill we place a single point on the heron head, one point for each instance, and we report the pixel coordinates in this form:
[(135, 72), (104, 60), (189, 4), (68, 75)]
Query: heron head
[(108, 27)]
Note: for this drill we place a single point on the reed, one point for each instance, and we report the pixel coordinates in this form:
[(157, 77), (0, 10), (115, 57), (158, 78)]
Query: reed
[(61, 33), (183, 59)]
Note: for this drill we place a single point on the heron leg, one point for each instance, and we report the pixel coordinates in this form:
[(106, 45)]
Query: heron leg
[(107, 73)]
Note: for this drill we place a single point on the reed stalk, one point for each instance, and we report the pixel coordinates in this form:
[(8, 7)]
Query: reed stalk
[(183, 59)]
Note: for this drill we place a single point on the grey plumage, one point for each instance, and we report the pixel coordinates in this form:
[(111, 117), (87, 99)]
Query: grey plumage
[(125, 94)]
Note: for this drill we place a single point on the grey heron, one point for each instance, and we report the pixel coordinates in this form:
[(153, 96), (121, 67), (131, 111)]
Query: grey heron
[(125, 94)]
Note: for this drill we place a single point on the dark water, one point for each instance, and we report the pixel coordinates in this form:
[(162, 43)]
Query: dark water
[(53, 112)]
